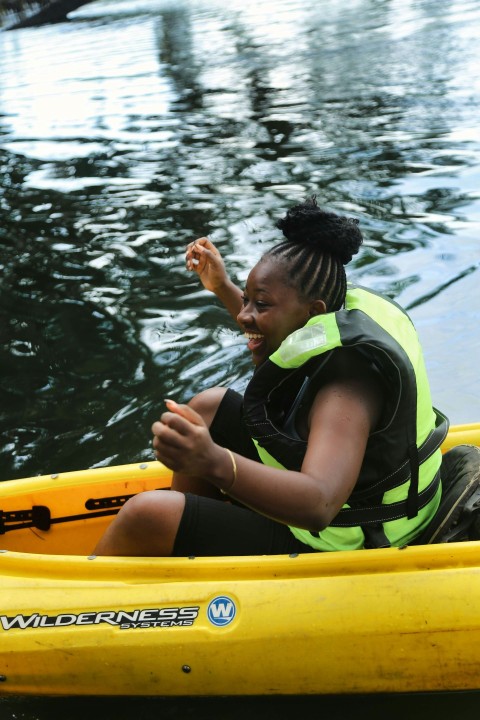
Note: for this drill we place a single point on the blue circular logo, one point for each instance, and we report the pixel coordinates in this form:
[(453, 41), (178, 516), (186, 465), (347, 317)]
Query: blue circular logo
[(221, 611)]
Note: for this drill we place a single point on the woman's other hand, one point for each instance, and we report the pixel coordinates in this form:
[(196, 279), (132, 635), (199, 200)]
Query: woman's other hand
[(182, 442), (203, 258)]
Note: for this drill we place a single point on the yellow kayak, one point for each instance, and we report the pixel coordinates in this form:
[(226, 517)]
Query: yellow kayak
[(369, 621)]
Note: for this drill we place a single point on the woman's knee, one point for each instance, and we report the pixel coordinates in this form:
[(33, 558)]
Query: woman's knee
[(153, 511), (207, 402), (146, 525)]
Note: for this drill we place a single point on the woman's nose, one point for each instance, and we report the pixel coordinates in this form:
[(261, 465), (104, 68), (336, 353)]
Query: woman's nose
[(244, 316)]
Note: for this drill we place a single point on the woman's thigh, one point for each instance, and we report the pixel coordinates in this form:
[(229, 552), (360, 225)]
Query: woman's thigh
[(210, 528)]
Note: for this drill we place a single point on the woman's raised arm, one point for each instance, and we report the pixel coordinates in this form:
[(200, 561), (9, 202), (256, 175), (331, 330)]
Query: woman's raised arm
[(203, 258)]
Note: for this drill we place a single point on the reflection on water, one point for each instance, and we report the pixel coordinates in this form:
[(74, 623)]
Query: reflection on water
[(154, 122), (138, 125)]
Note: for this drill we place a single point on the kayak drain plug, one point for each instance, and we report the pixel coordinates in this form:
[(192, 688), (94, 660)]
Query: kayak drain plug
[(186, 669)]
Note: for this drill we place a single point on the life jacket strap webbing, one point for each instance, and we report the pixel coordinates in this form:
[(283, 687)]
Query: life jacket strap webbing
[(349, 517)]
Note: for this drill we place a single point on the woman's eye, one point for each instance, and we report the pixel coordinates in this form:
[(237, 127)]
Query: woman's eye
[(258, 303)]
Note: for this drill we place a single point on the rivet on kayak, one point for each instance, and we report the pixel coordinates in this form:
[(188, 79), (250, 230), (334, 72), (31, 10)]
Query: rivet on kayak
[(186, 669), (54, 476), (92, 557), (191, 557), (3, 678), (3, 551), (143, 466), (293, 555)]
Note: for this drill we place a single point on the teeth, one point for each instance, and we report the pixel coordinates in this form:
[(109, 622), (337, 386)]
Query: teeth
[(253, 336)]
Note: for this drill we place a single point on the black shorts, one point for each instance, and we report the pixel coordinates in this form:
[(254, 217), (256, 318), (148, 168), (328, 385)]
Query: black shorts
[(213, 527)]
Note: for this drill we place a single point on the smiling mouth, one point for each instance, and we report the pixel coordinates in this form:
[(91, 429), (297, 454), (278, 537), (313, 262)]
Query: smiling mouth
[(254, 340)]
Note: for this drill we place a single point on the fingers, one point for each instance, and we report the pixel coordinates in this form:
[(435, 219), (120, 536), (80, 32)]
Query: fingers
[(184, 411), (199, 252), (171, 425), (168, 444), (168, 453), (177, 428), (203, 242), (164, 437), (196, 257), (177, 438)]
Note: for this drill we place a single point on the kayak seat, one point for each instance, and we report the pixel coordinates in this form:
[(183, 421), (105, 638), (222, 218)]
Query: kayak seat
[(458, 515)]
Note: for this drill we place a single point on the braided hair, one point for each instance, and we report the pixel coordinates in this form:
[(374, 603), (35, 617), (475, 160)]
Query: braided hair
[(318, 244)]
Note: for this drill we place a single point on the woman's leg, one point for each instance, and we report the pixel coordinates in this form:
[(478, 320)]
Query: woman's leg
[(148, 523), (161, 523), (146, 526), (211, 528)]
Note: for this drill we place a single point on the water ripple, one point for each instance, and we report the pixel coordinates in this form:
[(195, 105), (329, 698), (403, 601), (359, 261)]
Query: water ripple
[(155, 122)]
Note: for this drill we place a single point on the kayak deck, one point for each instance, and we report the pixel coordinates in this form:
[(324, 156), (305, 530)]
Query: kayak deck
[(67, 513)]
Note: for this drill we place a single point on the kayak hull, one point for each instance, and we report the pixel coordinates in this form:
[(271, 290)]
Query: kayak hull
[(397, 621), (370, 621)]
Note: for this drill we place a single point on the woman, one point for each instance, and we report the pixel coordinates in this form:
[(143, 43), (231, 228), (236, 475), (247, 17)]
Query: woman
[(335, 443)]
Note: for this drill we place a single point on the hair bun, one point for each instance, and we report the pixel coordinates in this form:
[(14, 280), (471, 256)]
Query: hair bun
[(336, 235)]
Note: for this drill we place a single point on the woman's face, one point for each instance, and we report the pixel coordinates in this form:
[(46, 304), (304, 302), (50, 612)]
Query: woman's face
[(271, 310)]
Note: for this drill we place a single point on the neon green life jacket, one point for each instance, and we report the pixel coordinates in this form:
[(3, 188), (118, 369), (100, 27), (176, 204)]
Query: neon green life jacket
[(398, 489)]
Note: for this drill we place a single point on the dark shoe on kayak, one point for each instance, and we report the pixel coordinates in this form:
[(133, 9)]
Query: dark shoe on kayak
[(458, 515)]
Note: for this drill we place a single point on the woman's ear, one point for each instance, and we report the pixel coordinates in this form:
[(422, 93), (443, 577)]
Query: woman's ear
[(317, 307)]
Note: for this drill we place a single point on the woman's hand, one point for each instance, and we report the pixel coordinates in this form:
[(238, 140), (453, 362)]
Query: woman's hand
[(203, 258), (182, 442)]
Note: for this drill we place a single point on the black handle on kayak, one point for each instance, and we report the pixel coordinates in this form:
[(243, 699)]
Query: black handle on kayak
[(38, 517)]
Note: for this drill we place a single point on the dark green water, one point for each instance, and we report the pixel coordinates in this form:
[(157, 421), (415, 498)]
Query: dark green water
[(139, 126), (418, 707)]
